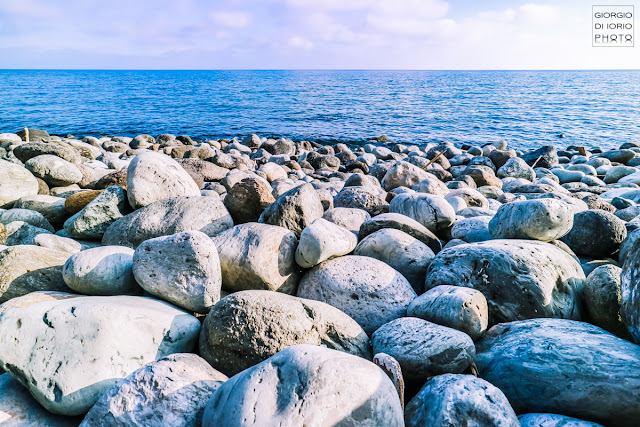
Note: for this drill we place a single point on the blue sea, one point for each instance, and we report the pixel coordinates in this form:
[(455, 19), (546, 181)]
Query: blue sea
[(525, 108)]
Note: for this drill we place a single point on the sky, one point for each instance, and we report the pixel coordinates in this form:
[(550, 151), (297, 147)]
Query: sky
[(305, 34)]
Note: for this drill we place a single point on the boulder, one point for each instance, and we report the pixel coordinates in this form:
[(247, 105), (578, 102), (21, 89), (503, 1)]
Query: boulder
[(348, 218), (602, 296), (459, 400), (54, 170), (171, 391), (76, 202), (406, 254), (26, 215), (553, 420), (247, 327), (516, 167), (521, 279), (19, 409), (27, 151), (95, 218), (247, 199), (191, 280), (361, 198), (69, 352), (403, 223), (539, 219), (368, 290), (322, 240), (544, 157), (471, 230), (456, 307), (424, 349), (169, 216), (22, 233), (295, 209), (153, 176), (595, 233), (403, 174), (306, 385), (105, 270), (51, 207), (27, 268), (433, 212), (258, 256), (563, 367), (630, 291), (15, 182)]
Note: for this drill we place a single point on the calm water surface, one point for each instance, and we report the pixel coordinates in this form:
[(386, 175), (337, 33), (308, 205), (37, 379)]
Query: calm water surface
[(527, 109)]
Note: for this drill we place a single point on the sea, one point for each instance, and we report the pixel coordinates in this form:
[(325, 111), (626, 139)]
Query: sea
[(527, 109)]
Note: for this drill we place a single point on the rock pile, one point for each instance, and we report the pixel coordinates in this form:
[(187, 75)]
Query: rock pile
[(155, 281)]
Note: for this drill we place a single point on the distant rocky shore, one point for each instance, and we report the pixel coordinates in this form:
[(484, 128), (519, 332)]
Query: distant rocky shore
[(162, 281)]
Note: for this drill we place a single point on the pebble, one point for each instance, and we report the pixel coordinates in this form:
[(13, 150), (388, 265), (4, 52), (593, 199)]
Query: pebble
[(322, 240)]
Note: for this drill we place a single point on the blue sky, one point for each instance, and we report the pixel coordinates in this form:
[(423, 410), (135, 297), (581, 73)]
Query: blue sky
[(302, 34)]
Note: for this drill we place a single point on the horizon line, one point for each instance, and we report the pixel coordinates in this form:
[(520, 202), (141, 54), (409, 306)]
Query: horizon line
[(324, 69)]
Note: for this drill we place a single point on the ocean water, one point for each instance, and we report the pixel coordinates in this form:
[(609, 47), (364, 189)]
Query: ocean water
[(525, 108)]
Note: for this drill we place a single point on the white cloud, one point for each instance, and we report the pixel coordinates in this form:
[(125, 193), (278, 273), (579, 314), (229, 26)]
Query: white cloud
[(301, 42), (231, 19), (539, 13)]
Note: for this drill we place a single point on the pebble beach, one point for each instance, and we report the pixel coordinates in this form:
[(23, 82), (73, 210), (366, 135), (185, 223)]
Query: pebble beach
[(175, 281)]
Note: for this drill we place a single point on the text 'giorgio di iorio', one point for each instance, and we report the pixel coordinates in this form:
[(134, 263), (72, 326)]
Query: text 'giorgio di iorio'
[(613, 26)]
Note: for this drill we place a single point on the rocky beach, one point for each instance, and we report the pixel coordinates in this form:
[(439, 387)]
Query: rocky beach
[(172, 281)]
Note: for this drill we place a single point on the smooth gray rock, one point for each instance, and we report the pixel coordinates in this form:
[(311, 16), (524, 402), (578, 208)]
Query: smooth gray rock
[(64, 244), (540, 219), (169, 392), (563, 367), (22, 233), (153, 176), (27, 268), (25, 215), (459, 400), (361, 198), (51, 207), (595, 233), (15, 182), (191, 279), (306, 385), (322, 240), (348, 218), (295, 209), (406, 254), (96, 217), (424, 349), (515, 167), (247, 327), (521, 279), (403, 174), (471, 197), (106, 270), (472, 230), (630, 291), (368, 290), (54, 170), (434, 212), (69, 352), (258, 256), (169, 216), (457, 307), (553, 420), (19, 409), (403, 223), (602, 296)]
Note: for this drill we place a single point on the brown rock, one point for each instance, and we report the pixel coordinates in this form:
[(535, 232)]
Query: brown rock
[(114, 178), (247, 199), (43, 188), (3, 234), (207, 170), (483, 175), (76, 202)]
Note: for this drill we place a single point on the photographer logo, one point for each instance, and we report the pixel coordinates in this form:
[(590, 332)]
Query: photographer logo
[(613, 26)]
